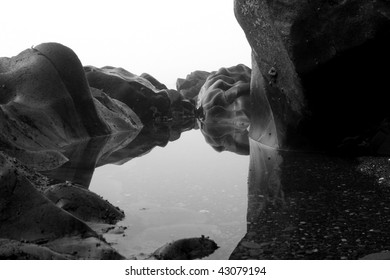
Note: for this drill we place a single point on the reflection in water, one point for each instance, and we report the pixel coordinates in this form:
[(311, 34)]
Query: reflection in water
[(264, 184), (226, 138), (293, 205), (180, 191)]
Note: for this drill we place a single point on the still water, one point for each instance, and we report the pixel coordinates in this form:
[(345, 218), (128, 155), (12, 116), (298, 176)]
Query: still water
[(185, 189), (272, 204)]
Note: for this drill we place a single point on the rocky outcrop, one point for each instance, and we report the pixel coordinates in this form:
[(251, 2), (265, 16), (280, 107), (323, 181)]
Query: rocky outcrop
[(27, 215), (190, 86), (147, 97), (224, 97), (46, 101), (317, 62)]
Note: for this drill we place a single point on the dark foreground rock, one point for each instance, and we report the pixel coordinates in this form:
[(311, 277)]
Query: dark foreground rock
[(15, 250), (26, 215), (322, 68), (191, 85), (83, 204)]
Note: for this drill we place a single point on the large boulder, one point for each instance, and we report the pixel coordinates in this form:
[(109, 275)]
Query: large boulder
[(46, 102), (224, 97), (322, 67), (147, 101), (26, 215)]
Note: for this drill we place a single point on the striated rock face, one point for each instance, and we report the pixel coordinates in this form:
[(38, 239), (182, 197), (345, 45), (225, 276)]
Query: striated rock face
[(224, 97), (46, 102), (321, 66)]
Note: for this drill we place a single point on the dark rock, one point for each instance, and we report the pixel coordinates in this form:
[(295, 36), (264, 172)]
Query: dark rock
[(136, 92), (71, 72), (153, 81), (26, 215), (186, 249), (15, 250), (46, 102), (84, 248), (190, 86), (317, 61), (83, 204)]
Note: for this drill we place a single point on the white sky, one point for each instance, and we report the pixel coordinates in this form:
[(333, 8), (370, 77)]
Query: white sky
[(165, 38)]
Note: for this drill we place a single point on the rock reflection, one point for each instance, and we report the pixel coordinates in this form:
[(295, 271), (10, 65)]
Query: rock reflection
[(226, 138)]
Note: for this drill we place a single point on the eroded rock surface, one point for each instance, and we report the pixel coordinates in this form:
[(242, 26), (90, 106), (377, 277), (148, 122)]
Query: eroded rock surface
[(224, 97), (317, 63)]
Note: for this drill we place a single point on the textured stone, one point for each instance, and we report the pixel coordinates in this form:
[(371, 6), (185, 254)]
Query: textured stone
[(317, 62), (224, 97), (190, 86)]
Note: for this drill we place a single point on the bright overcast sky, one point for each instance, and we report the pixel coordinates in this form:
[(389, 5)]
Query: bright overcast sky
[(165, 38)]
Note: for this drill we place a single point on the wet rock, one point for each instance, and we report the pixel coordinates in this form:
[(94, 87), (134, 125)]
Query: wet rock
[(224, 97), (84, 248), (136, 92), (153, 81), (118, 116), (38, 160), (186, 249), (39, 181), (47, 103), (190, 87), (15, 250), (83, 204), (317, 57), (27, 215)]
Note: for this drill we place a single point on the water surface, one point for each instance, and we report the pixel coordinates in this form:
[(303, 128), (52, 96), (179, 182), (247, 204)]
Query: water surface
[(185, 189)]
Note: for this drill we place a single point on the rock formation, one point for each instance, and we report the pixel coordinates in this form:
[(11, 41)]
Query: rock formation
[(46, 101), (224, 97), (190, 86), (26, 215), (147, 97), (322, 67)]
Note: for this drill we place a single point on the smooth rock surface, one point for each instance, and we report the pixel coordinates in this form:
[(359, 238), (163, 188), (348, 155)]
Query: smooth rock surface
[(46, 102)]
